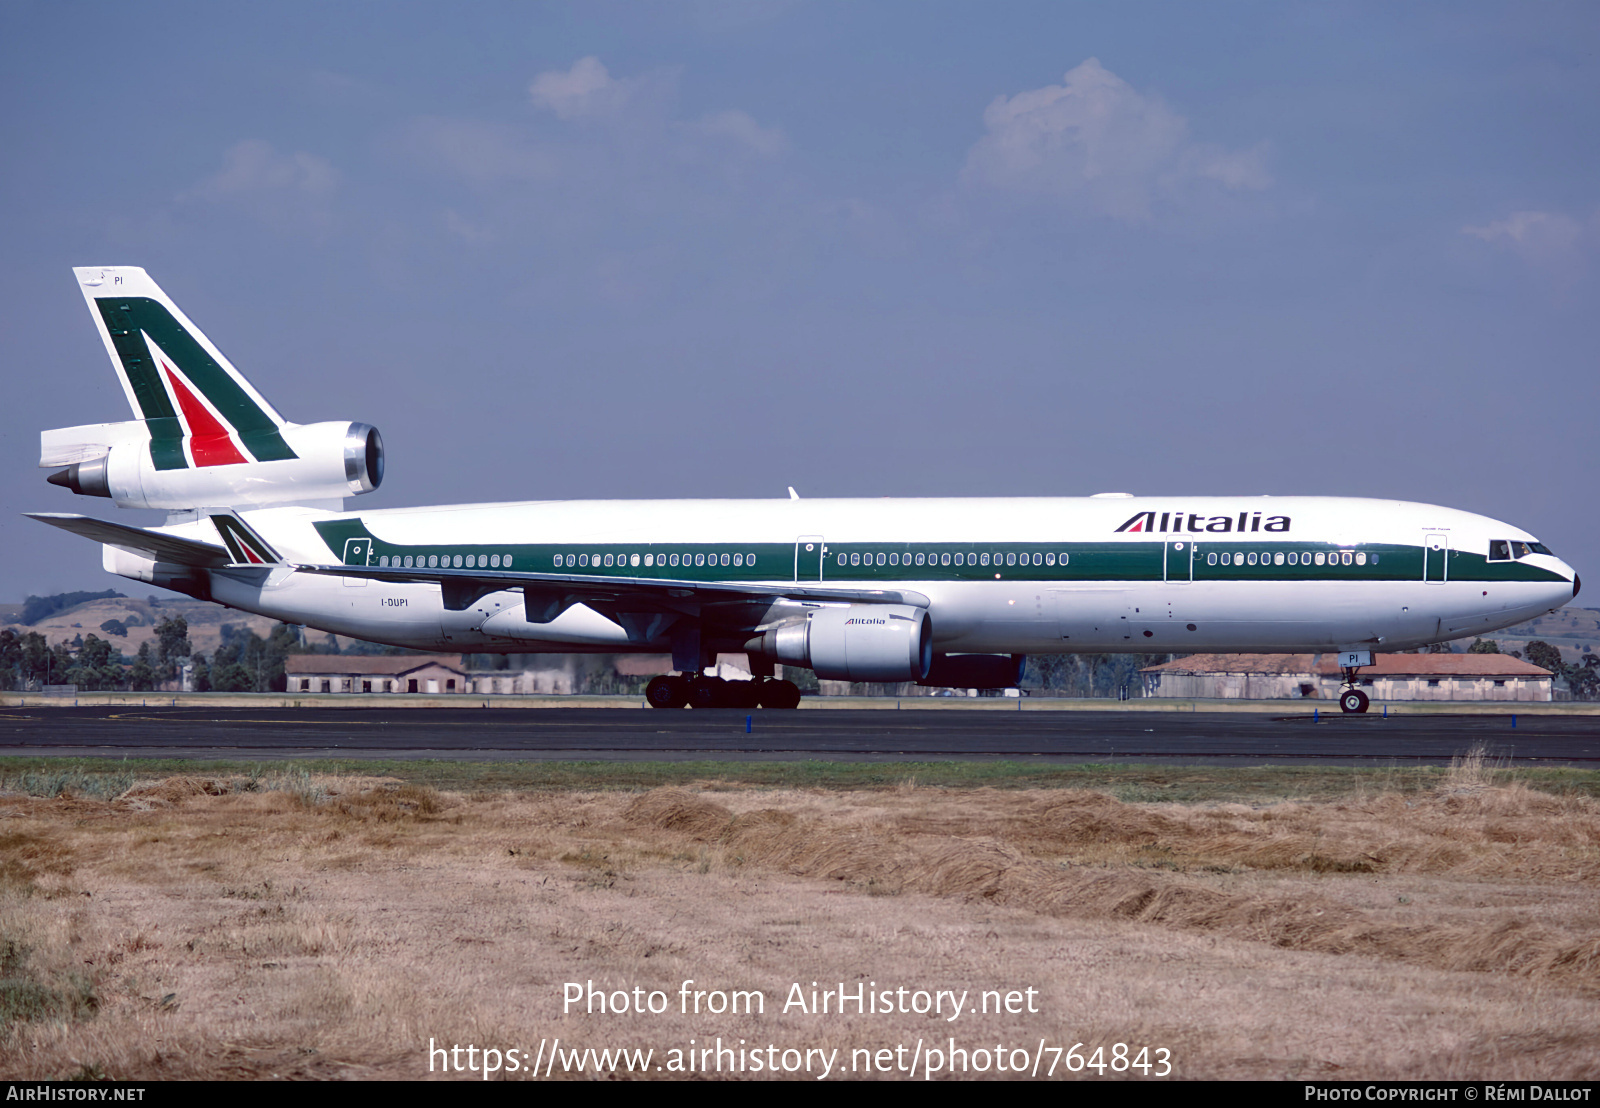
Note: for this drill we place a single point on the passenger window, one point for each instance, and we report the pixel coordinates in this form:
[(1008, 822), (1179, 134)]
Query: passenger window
[(958, 559), (1374, 559), (855, 559), (1277, 559), (583, 561), (738, 559), (1211, 559), (881, 559), (1049, 559), (699, 560), (1320, 559), (433, 561), (919, 559), (1346, 558), (726, 559), (1063, 557), (841, 559), (983, 559), (944, 559), (1361, 559), (1038, 559), (1252, 557), (558, 561), (1011, 559), (634, 560)]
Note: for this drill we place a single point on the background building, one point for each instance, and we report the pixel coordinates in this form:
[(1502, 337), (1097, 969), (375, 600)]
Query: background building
[(1317, 676)]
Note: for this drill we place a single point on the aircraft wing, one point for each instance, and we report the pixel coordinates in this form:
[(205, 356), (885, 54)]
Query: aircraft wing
[(136, 540), (549, 594)]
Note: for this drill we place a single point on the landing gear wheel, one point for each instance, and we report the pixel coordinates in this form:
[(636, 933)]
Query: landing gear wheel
[(708, 692), (780, 694), (740, 694), (1353, 701), (667, 692)]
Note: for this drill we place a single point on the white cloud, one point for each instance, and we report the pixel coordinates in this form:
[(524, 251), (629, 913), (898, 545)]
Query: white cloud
[(254, 167), (288, 190), (1094, 141), (465, 229), (1550, 241), (588, 92), (484, 153), (744, 131)]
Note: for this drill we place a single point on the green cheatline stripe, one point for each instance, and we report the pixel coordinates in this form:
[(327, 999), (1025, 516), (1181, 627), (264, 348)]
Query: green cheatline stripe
[(129, 318), (1086, 562)]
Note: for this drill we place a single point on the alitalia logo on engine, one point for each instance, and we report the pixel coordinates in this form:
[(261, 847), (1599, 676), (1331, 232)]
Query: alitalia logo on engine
[(1194, 523), (860, 619)]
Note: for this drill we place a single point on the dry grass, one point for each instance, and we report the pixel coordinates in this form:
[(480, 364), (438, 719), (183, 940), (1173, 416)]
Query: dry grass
[(330, 926)]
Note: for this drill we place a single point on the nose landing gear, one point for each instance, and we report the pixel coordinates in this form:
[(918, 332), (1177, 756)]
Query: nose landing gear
[(1352, 700)]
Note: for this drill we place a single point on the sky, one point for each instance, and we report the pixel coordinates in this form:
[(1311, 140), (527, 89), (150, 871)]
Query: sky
[(715, 249)]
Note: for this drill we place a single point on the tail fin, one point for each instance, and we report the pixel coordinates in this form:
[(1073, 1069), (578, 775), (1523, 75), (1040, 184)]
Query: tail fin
[(245, 547), (198, 409)]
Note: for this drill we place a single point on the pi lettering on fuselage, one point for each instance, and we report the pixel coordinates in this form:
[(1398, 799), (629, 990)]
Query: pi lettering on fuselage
[(1190, 522)]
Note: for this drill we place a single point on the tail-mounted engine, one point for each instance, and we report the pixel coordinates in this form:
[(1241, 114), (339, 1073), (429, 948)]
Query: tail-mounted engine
[(123, 461)]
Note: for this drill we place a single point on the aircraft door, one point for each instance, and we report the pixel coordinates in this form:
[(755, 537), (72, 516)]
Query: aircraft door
[(1178, 562), (808, 558), (1435, 558), (357, 552)]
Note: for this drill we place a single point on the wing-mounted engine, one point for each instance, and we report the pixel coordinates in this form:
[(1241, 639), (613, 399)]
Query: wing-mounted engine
[(859, 642), (325, 461)]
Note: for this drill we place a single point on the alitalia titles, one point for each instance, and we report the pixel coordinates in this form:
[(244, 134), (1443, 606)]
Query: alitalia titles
[(1193, 522)]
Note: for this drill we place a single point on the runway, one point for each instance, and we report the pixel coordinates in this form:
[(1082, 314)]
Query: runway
[(468, 734)]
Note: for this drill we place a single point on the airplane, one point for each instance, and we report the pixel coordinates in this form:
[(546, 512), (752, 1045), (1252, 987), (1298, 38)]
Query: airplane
[(941, 592)]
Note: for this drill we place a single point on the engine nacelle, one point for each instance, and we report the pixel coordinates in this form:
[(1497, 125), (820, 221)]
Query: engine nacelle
[(331, 461), (861, 642)]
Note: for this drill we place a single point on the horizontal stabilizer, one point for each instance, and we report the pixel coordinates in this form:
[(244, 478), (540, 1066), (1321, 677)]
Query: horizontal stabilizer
[(136, 540)]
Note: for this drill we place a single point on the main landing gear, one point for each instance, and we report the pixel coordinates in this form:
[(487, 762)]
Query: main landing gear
[(1352, 699), (697, 691)]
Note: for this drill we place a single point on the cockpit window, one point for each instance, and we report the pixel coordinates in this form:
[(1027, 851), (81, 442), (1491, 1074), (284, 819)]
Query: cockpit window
[(1505, 550)]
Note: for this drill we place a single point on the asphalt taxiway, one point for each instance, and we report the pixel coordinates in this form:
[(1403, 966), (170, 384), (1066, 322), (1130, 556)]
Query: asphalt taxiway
[(580, 734)]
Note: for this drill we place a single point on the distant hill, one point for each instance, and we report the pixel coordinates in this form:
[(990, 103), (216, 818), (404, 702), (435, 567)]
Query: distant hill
[(36, 608), (1574, 631)]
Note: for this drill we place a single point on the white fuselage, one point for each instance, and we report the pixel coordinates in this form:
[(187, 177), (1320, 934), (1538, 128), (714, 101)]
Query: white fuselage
[(1155, 575)]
